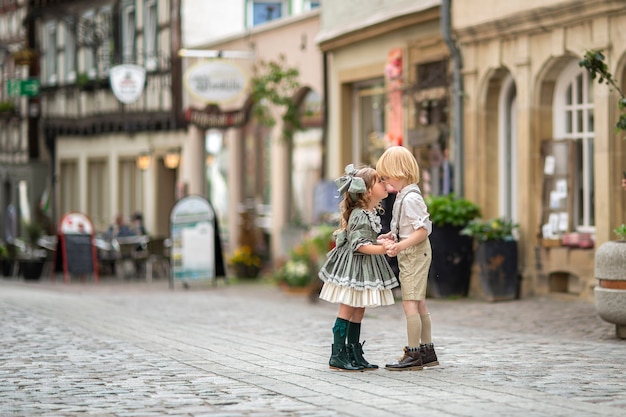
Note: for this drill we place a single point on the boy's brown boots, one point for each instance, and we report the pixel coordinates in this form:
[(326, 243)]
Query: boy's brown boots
[(411, 361), (429, 357)]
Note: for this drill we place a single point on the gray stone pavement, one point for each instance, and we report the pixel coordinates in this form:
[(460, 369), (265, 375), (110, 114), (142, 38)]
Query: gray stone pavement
[(141, 349)]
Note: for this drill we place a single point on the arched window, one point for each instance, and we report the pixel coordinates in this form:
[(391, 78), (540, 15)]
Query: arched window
[(573, 120)]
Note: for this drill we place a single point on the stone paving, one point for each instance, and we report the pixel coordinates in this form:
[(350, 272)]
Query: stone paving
[(139, 349)]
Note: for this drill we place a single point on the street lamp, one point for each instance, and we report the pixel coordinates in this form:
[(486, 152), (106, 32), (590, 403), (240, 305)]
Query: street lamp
[(172, 158)]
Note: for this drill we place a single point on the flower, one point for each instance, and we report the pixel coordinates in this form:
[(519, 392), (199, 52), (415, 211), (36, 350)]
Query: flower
[(494, 229), (245, 257), (300, 268)]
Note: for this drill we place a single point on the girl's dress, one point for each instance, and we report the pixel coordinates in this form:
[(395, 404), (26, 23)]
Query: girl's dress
[(354, 278)]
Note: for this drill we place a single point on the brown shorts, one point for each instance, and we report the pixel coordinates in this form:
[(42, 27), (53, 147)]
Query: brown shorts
[(414, 263)]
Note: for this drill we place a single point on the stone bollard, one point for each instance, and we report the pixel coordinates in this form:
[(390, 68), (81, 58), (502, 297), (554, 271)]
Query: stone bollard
[(610, 294)]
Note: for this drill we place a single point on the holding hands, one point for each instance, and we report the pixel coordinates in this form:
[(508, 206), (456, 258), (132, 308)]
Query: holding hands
[(391, 247)]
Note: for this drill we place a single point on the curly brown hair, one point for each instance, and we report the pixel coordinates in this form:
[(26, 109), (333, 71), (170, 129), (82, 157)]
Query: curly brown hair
[(348, 204)]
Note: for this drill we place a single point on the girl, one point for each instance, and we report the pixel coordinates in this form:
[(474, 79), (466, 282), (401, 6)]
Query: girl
[(410, 227), (356, 274)]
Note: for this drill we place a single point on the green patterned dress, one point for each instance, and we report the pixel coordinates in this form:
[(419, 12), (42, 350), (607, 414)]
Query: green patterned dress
[(354, 278)]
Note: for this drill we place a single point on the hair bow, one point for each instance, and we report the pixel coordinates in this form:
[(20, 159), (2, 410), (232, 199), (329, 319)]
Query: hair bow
[(350, 183)]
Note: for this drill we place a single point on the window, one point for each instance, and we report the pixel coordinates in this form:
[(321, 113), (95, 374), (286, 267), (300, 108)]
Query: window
[(260, 12), (130, 187), (310, 5), (150, 34), (51, 53), (87, 39), (573, 120), (369, 122), (70, 51), (128, 33), (97, 192), (68, 178)]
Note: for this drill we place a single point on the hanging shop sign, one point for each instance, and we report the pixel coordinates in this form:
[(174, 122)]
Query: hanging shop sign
[(127, 82), (216, 81), (212, 117)]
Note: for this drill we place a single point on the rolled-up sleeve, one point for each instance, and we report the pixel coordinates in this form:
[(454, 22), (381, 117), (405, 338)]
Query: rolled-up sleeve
[(415, 215)]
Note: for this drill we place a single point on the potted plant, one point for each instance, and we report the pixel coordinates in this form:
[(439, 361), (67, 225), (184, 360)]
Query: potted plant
[(31, 257), (5, 261), (245, 263), (299, 272), (610, 293), (453, 253), (496, 255)]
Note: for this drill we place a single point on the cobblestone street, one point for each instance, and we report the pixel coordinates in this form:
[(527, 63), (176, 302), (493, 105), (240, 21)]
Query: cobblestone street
[(138, 349)]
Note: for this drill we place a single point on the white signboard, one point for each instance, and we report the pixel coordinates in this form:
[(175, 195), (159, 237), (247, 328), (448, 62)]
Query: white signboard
[(127, 82), (216, 81)]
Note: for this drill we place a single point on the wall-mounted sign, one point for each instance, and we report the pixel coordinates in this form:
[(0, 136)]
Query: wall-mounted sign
[(212, 117), (216, 81), (127, 82)]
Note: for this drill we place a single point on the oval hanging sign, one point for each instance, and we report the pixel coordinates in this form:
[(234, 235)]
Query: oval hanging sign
[(127, 82), (216, 81)]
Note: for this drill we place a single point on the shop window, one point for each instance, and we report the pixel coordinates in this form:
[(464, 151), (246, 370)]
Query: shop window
[(130, 187), (96, 193), (69, 191), (574, 122), (369, 122)]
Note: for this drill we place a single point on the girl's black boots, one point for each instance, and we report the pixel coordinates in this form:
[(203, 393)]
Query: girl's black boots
[(355, 351), (339, 359)]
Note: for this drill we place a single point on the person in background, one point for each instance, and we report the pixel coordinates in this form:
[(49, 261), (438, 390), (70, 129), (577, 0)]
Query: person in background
[(356, 274), (119, 228), (137, 227)]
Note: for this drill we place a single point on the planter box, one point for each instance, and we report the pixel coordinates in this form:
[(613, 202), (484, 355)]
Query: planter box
[(451, 267), (497, 261)]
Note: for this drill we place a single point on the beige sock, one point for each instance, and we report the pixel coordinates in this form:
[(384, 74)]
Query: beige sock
[(414, 329), (426, 326)]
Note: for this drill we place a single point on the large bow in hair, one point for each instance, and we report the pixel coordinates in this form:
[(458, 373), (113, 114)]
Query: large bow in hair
[(350, 183)]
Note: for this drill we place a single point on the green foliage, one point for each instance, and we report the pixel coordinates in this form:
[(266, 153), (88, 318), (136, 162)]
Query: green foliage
[(274, 83), (594, 63), (7, 106), (305, 259), (494, 229), (33, 232), (4, 252), (620, 231), (448, 210)]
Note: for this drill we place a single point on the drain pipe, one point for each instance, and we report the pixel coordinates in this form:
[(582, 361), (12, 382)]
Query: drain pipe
[(457, 96)]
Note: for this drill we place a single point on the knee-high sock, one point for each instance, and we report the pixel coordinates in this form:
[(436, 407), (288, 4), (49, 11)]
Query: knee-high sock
[(426, 328), (354, 332), (414, 329), (339, 332)]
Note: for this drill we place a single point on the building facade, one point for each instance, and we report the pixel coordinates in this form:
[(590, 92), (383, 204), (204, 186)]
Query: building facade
[(260, 181), (108, 148), (24, 155), (540, 138), (536, 140)]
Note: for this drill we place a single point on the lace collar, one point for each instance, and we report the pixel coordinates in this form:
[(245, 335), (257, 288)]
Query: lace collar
[(374, 220)]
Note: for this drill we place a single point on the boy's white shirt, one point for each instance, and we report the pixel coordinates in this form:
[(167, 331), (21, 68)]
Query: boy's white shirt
[(414, 212)]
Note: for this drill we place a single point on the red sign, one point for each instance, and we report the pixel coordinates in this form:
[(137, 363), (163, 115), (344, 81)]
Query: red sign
[(212, 117)]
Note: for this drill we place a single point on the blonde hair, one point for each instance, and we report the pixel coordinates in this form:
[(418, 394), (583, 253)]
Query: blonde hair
[(398, 162), (360, 200)]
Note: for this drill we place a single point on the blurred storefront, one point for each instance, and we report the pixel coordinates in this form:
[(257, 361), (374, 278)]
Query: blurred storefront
[(540, 137), (260, 183)]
